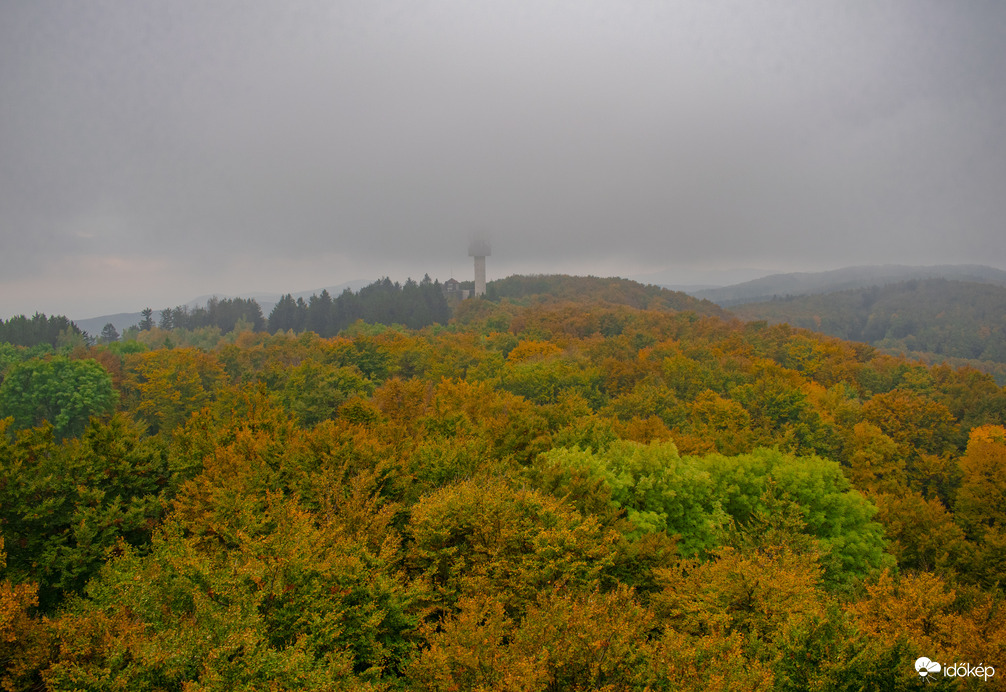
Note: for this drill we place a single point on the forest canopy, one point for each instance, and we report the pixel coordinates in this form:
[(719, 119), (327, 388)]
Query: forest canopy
[(539, 493)]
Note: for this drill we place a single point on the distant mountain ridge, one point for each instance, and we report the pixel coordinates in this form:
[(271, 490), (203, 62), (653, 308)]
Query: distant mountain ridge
[(847, 278), (678, 277)]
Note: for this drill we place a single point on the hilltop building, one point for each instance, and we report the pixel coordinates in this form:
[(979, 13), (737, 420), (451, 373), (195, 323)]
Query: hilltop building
[(452, 289)]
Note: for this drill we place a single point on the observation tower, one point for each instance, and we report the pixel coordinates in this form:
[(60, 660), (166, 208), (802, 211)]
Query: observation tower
[(479, 249)]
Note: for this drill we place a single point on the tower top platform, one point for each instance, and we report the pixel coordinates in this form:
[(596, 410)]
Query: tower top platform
[(479, 248)]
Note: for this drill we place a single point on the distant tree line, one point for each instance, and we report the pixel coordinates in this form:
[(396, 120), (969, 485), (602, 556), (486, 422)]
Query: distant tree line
[(223, 313), (39, 329), (414, 305)]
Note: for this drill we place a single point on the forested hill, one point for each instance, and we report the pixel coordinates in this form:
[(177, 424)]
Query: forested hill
[(934, 319), (845, 279), (412, 304), (546, 288), (554, 495)]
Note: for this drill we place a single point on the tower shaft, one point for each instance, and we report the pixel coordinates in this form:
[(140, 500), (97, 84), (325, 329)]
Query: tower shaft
[(480, 275)]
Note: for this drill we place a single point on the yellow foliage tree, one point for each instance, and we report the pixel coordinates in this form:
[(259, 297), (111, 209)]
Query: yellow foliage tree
[(24, 640), (483, 536), (172, 384), (875, 462), (981, 500), (566, 641), (920, 615)]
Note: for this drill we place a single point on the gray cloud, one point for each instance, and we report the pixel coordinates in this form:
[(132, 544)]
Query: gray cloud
[(196, 148)]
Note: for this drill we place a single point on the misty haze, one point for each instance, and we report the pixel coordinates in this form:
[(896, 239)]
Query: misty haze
[(446, 345), (158, 152)]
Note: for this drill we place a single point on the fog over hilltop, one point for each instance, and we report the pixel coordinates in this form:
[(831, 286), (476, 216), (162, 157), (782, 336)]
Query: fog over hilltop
[(168, 148)]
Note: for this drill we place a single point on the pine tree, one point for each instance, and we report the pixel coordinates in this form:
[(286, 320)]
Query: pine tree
[(108, 334)]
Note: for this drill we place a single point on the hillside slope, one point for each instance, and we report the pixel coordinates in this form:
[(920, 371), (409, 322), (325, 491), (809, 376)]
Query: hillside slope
[(935, 319), (545, 288)]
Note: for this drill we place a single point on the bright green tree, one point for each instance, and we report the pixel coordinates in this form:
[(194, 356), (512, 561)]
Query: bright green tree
[(58, 390), (658, 490), (837, 516), (63, 506)]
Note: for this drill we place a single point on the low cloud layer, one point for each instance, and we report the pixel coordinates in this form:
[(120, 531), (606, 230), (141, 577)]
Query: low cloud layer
[(157, 151)]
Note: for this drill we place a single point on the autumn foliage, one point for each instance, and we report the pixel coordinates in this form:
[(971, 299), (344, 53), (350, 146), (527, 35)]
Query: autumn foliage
[(554, 495)]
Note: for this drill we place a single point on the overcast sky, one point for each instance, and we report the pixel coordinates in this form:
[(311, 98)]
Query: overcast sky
[(152, 151)]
